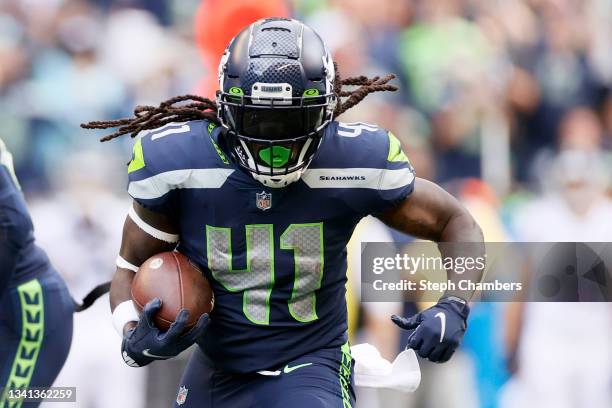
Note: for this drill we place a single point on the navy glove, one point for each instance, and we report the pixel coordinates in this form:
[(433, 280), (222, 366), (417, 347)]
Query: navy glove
[(146, 343), (438, 330)]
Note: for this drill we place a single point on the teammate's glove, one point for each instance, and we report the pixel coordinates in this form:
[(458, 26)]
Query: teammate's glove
[(145, 343), (438, 330)]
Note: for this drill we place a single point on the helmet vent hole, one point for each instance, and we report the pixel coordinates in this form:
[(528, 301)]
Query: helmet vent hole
[(276, 29)]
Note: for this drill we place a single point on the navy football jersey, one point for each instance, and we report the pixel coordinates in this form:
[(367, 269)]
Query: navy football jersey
[(276, 258), (20, 258)]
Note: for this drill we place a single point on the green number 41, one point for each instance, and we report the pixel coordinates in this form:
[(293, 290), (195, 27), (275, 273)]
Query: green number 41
[(257, 279)]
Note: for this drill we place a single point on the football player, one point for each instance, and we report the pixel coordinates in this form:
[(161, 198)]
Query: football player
[(35, 305), (262, 189)]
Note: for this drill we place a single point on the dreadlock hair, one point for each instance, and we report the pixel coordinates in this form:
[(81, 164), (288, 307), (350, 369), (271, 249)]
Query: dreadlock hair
[(366, 86), (152, 117)]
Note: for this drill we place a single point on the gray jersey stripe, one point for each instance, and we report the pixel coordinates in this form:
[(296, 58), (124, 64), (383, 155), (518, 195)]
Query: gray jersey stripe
[(160, 184)]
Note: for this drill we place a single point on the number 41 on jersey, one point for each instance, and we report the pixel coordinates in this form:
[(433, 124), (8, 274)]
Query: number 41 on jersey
[(257, 279)]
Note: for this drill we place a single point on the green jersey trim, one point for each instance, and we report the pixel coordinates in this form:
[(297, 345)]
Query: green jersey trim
[(344, 374), (138, 161), (32, 333), (396, 154)]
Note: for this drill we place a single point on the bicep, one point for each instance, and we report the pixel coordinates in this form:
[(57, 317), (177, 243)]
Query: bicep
[(424, 213)]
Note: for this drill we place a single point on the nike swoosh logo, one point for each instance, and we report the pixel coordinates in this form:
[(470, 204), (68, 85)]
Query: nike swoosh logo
[(288, 369), (442, 317), (155, 356)]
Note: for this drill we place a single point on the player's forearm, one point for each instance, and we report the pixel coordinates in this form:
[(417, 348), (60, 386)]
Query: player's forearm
[(137, 245), (461, 227), (433, 214), (120, 291), (462, 237), (121, 285), (132, 255)]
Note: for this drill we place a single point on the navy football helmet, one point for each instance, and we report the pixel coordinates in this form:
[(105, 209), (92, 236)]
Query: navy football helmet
[(276, 81)]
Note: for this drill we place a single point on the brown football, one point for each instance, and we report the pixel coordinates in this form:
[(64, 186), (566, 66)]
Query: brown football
[(178, 283)]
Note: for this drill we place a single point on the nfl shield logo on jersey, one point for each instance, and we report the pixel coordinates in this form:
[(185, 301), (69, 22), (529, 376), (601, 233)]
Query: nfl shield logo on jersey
[(182, 395), (263, 200)]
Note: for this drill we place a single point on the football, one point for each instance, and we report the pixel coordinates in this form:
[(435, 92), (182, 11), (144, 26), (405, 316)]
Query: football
[(178, 283)]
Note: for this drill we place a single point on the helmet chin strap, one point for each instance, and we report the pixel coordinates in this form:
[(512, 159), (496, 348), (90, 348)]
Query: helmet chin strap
[(279, 182)]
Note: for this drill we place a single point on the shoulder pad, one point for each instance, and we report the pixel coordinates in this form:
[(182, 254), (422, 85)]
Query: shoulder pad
[(175, 146), (360, 144), (175, 156)]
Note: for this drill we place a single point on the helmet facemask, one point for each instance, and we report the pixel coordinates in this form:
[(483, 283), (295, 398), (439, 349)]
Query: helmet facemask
[(275, 138)]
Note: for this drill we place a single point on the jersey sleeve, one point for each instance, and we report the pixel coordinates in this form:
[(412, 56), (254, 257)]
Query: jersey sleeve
[(390, 177), (150, 181), (365, 167), (173, 158), (396, 180)]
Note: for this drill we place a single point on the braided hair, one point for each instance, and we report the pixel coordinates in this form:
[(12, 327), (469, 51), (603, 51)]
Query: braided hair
[(152, 117)]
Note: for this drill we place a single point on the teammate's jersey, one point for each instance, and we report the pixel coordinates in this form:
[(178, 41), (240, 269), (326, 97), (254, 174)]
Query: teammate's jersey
[(20, 258), (276, 258)]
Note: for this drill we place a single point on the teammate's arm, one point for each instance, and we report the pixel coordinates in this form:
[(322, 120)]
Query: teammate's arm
[(146, 233), (15, 229), (433, 214), (15, 223)]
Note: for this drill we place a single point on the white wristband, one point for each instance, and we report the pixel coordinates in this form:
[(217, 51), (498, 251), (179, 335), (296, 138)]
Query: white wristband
[(122, 263), (124, 312)]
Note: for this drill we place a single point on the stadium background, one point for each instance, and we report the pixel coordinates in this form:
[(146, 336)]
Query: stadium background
[(508, 104)]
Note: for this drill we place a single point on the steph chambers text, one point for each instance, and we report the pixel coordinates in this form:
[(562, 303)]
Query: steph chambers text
[(464, 284)]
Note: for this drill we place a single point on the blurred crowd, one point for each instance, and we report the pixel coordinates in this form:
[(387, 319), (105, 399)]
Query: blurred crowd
[(508, 104), (485, 86)]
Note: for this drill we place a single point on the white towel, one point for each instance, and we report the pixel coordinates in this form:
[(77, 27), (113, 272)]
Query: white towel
[(373, 371)]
